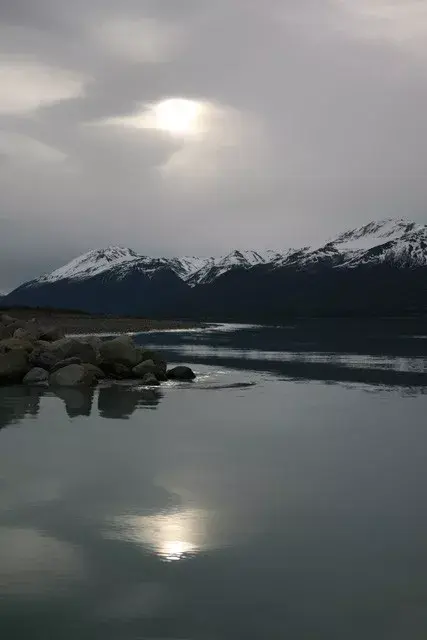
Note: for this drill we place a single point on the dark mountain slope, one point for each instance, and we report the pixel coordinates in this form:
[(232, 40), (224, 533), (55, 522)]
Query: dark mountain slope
[(134, 294)]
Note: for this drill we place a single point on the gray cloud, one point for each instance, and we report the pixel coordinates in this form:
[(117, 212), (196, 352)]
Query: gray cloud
[(313, 122)]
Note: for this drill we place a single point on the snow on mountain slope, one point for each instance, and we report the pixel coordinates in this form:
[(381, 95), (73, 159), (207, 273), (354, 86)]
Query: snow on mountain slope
[(407, 251), (288, 257), (239, 259), (188, 265), (119, 261), (215, 267), (374, 234), (400, 241), (91, 264)]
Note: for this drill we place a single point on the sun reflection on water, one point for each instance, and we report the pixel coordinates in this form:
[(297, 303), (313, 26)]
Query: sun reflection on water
[(173, 536), (176, 550)]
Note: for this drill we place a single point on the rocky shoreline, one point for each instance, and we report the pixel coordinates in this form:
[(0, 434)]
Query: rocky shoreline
[(86, 324), (34, 354)]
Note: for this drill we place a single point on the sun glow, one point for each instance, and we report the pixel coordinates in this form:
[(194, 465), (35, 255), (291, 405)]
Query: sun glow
[(178, 116)]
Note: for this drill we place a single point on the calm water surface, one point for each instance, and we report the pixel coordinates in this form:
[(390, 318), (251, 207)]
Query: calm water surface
[(281, 495)]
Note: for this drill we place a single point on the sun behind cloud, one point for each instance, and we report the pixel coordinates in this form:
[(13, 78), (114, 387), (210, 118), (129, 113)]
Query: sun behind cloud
[(179, 117)]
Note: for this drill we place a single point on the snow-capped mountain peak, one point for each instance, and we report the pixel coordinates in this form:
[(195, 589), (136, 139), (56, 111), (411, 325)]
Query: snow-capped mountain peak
[(120, 260), (379, 267), (398, 241), (374, 233), (407, 250), (91, 264), (402, 239), (238, 258)]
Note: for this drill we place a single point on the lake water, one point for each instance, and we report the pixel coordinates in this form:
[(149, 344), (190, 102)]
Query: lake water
[(281, 495)]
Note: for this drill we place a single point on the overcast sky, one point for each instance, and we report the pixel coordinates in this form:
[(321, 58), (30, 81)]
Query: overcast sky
[(193, 127)]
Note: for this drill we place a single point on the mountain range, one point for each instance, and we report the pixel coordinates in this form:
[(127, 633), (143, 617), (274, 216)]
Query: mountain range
[(377, 269)]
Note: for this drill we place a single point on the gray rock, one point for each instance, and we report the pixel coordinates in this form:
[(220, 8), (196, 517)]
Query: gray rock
[(6, 320), (32, 328), (11, 344), (24, 334), (181, 373), (148, 354), (150, 380), (95, 341), (98, 373), (46, 345), (74, 375), (73, 348), (116, 370), (37, 377), (64, 363), (13, 366), (148, 366), (43, 359), (120, 350), (51, 334), (7, 331)]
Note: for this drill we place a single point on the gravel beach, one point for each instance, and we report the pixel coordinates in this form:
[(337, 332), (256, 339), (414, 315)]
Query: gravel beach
[(81, 324)]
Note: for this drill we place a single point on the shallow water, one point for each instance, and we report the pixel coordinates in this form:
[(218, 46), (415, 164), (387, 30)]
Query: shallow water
[(281, 495)]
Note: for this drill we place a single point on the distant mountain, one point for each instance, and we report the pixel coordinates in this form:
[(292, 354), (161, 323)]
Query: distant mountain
[(112, 281), (215, 267), (379, 268), (119, 261), (119, 280), (356, 245)]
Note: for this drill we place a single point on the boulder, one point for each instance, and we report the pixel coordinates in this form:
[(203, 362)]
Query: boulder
[(121, 371), (6, 320), (7, 331), (51, 334), (73, 348), (181, 373), (24, 334), (148, 366), (31, 329), (148, 354), (95, 341), (65, 363), (37, 377), (10, 344), (120, 350), (99, 374), (115, 370), (47, 346), (41, 358), (74, 375), (150, 380), (13, 366)]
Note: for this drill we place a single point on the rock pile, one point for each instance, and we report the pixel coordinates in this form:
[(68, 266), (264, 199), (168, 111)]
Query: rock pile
[(43, 356)]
